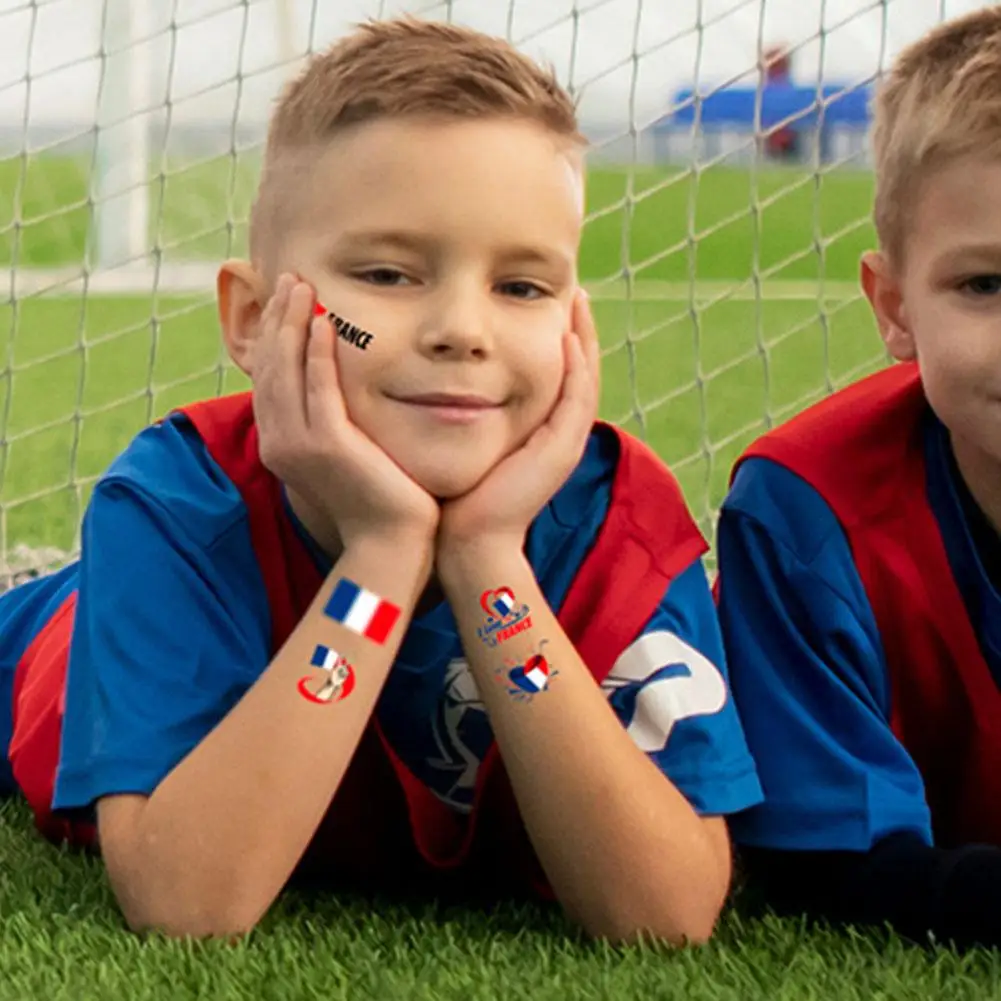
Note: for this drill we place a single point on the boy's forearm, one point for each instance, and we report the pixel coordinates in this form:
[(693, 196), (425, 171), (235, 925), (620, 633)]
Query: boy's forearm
[(222, 833), (623, 849)]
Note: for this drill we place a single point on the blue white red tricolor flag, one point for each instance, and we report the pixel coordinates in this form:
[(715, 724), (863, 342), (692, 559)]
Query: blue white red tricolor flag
[(324, 658), (532, 676), (499, 603), (361, 611)]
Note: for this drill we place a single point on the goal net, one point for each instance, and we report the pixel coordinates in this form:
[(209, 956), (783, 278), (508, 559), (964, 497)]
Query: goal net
[(729, 191)]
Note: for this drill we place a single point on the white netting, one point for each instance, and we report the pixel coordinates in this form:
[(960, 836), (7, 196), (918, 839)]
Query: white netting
[(721, 247)]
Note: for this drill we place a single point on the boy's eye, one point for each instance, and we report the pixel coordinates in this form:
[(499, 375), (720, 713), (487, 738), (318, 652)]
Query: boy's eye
[(983, 284), (383, 276), (521, 290)]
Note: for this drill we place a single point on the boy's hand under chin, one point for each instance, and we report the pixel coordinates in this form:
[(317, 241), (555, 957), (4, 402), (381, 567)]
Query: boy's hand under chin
[(497, 512), (353, 491)]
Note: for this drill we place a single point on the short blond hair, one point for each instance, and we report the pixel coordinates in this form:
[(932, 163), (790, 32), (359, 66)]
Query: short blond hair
[(940, 101), (404, 68)]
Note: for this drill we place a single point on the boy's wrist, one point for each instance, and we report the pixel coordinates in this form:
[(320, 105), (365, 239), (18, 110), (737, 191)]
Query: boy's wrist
[(403, 548), (457, 559)]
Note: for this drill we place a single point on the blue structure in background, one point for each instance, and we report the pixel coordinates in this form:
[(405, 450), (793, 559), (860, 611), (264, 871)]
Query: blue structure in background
[(824, 112)]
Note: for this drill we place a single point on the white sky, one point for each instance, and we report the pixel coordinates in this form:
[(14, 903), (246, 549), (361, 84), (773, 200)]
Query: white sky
[(626, 54)]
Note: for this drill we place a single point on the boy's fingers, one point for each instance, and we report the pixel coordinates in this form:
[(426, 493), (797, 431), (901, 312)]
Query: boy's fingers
[(584, 327), (269, 336), (582, 356), (262, 363), (265, 336), (571, 419), (325, 408), (579, 390), (288, 359)]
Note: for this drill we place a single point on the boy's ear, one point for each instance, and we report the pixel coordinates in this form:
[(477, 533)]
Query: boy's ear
[(882, 288), (240, 296)]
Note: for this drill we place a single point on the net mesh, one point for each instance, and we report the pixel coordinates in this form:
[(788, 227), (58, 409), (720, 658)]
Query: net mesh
[(729, 192)]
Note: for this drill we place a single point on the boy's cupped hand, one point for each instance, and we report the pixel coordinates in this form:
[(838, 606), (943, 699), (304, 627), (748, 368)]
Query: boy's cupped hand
[(500, 508), (306, 437)]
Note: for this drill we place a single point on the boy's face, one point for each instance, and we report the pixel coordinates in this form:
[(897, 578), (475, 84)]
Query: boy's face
[(455, 245), (943, 306)]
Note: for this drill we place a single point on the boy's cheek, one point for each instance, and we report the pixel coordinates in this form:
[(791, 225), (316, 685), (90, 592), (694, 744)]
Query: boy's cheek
[(353, 368), (543, 359)]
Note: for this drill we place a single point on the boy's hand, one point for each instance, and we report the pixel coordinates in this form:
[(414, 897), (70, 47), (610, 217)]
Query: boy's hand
[(499, 509), (306, 437)]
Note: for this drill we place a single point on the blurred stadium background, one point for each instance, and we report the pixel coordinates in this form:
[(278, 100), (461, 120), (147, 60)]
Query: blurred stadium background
[(729, 192)]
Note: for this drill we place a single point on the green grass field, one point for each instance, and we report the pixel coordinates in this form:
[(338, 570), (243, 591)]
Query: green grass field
[(717, 336)]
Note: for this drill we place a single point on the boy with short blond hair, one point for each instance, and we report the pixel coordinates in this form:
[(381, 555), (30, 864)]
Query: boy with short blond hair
[(860, 556), (404, 615)]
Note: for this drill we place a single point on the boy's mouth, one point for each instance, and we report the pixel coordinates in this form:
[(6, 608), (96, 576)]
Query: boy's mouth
[(466, 401), (451, 408)]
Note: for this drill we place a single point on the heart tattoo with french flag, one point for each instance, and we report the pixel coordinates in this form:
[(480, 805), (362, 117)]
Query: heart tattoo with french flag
[(506, 616), (525, 680), (532, 676), (498, 603), (361, 611)]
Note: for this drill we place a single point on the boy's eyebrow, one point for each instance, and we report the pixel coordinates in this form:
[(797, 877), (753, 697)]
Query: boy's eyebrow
[(985, 251), (420, 243), (399, 238), (535, 255)]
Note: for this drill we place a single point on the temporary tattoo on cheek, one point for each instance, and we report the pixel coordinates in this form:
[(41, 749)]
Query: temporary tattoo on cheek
[(506, 617), (525, 680), (361, 611), (337, 682), (346, 331)]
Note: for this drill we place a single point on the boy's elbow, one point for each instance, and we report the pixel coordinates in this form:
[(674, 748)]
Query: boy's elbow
[(192, 921), (691, 926), (162, 888), (187, 908), (681, 913)]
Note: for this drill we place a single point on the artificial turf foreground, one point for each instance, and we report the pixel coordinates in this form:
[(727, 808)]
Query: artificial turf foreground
[(61, 938)]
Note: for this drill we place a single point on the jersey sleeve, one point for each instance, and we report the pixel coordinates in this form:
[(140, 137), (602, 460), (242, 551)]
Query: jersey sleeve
[(808, 674), (669, 689), (172, 623)]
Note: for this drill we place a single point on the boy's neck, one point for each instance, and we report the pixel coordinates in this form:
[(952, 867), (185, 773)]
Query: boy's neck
[(321, 529), (323, 532), (982, 475)]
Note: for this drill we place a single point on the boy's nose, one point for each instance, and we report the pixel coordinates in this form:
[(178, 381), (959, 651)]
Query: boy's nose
[(458, 327)]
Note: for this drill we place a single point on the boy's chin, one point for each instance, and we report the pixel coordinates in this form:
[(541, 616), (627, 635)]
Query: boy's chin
[(447, 484)]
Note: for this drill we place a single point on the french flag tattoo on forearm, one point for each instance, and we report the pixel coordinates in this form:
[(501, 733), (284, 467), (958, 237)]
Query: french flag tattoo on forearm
[(361, 611)]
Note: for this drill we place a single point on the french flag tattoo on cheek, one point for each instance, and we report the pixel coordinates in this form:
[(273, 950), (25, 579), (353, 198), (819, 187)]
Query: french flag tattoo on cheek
[(346, 331)]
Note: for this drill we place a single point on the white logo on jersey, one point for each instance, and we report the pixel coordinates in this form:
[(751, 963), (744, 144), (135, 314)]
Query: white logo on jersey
[(459, 697), (662, 702)]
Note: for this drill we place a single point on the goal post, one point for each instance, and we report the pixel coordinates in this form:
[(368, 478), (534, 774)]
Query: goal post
[(122, 140), (729, 190)]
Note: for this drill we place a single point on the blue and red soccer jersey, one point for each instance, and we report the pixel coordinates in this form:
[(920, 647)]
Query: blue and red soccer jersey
[(860, 600), (173, 627)]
